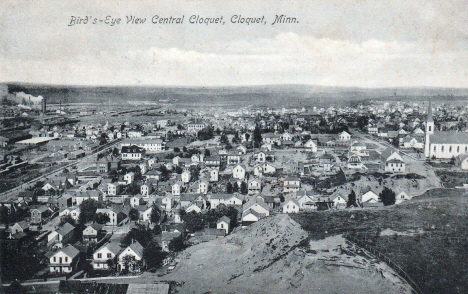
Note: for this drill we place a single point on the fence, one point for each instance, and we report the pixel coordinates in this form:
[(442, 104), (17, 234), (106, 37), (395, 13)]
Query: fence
[(388, 261)]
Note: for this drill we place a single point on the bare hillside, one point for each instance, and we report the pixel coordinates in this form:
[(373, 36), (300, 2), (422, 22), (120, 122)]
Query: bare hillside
[(267, 258)]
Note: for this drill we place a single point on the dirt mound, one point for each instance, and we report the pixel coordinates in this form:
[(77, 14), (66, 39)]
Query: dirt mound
[(266, 258)]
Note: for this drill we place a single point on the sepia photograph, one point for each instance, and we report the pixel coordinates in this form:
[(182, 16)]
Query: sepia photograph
[(215, 146)]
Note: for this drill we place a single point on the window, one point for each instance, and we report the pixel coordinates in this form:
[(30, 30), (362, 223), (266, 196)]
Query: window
[(458, 149), (430, 128), (99, 255), (109, 255), (435, 148), (442, 148), (55, 259), (66, 259), (450, 149)]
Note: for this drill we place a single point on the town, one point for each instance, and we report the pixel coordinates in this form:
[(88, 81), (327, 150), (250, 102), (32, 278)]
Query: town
[(117, 191)]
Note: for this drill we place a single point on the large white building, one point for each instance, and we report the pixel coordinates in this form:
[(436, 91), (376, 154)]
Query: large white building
[(149, 145), (443, 145)]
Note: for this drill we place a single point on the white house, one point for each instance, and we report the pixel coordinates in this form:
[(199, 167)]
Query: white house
[(344, 136), (64, 260), (214, 175), (290, 206), (254, 185), (368, 196), (135, 251), (312, 145), (339, 202), (129, 177), (108, 251), (185, 176), (238, 172), (223, 224), (401, 197)]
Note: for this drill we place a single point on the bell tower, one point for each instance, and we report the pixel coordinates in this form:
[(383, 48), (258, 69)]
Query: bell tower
[(429, 130)]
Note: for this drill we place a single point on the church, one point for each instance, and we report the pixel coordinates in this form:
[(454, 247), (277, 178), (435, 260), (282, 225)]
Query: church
[(443, 145)]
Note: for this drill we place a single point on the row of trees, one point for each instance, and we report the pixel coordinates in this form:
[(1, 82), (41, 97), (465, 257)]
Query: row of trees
[(235, 188)]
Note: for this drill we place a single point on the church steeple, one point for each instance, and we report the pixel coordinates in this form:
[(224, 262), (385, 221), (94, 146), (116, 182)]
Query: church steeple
[(429, 113)]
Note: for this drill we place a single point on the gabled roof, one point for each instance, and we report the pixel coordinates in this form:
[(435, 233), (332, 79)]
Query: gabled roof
[(224, 219), (136, 247), (70, 251), (65, 229), (112, 247)]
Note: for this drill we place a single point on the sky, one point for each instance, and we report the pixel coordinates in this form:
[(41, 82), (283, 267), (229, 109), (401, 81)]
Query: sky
[(353, 43)]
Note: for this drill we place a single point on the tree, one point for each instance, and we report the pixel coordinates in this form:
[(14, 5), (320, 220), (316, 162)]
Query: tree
[(257, 137), (155, 216), (235, 187), (247, 137), (88, 210), (67, 219), (243, 188), (387, 196), (16, 288), (352, 199), (207, 152), (139, 233), (229, 188), (129, 263), (101, 218), (177, 244), (195, 221), (153, 255), (133, 214)]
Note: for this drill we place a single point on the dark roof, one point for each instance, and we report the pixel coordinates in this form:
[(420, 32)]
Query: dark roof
[(449, 138), (65, 229)]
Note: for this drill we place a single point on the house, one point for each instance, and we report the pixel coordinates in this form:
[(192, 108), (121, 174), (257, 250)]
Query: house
[(145, 213), (187, 199), (401, 197), (146, 189), (214, 175), (63, 234), (108, 251), (64, 260), (368, 196), (255, 208), (213, 161), (168, 202), (306, 202), (268, 168), (239, 172), (291, 184), (312, 145), (223, 224), (113, 189), (129, 177), (132, 152), (290, 206), (137, 200), (177, 188), (344, 136), (413, 142), (291, 166), (92, 232), (73, 212), (250, 217), (233, 158), (462, 161), (226, 199), (19, 227), (64, 201), (355, 162), (195, 207), (271, 138), (135, 252), (145, 144), (339, 202), (39, 214), (391, 161), (80, 196), (186, 176), (254, 185)]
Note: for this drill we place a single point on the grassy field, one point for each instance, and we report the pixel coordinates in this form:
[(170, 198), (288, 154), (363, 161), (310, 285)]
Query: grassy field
[(429, 240)]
